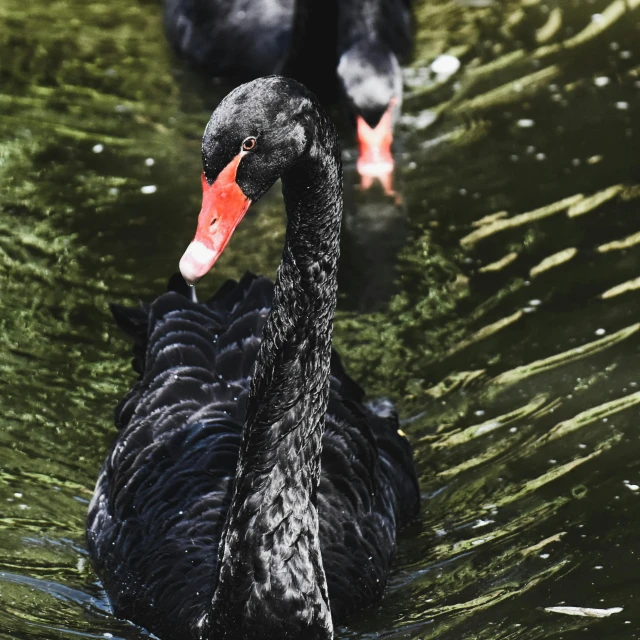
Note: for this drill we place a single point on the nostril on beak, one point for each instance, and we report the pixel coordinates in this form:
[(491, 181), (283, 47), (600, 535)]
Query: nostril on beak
[(213, 223)]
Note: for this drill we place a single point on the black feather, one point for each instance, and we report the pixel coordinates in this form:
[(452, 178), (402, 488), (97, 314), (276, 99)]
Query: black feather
[(156, 519)]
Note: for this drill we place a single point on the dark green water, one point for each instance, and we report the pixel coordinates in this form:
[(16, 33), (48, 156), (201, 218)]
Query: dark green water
[(498, 303)]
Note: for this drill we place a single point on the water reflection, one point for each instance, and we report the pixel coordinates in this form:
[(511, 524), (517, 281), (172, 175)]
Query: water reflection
[(374, 231), (497, 302)]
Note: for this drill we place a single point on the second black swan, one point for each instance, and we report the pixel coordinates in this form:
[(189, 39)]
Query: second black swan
[(359, 43), (251, 492), (374, 36)]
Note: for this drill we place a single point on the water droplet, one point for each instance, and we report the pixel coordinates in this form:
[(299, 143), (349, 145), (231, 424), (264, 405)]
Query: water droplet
[(525, 123), (148, 189), (98, 148), (602, 81), (149, 162)]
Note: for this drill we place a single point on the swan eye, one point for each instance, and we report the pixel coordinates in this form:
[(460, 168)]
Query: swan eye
[(249, 144)]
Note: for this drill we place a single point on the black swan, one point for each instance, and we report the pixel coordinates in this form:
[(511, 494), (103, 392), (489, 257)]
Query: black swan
[(201, 527), (365, 40), (373, 37)]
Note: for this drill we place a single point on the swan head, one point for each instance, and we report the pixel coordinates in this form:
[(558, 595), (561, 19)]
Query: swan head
[(371, 79), (258, 132)]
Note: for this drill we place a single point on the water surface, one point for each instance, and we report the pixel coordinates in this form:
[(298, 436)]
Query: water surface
[(495, 298)]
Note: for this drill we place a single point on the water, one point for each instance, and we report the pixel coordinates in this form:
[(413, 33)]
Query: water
[(495, 297)]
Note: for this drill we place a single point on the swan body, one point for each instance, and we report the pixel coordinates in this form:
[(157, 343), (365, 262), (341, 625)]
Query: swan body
[(251, 492), (231, 38)]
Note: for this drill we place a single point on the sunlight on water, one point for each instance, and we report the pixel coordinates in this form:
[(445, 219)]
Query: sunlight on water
[(494, 295)]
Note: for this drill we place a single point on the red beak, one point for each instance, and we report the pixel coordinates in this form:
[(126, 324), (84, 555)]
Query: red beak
[(223, 206), (375, 146)]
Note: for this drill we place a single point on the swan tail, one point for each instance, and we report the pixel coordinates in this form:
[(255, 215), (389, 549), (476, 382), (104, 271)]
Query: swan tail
[(396, 450)]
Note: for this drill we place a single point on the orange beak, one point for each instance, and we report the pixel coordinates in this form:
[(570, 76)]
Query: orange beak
[(375, 157), (223, 207)]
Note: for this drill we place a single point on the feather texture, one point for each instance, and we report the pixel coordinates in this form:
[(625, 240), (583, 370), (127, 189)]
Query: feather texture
[(161, 501)]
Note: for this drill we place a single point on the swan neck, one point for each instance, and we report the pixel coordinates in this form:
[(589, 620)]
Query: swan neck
[(358, 20), (270, 562)]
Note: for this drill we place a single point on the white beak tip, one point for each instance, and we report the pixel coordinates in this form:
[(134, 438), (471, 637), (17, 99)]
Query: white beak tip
[(196, 262)]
